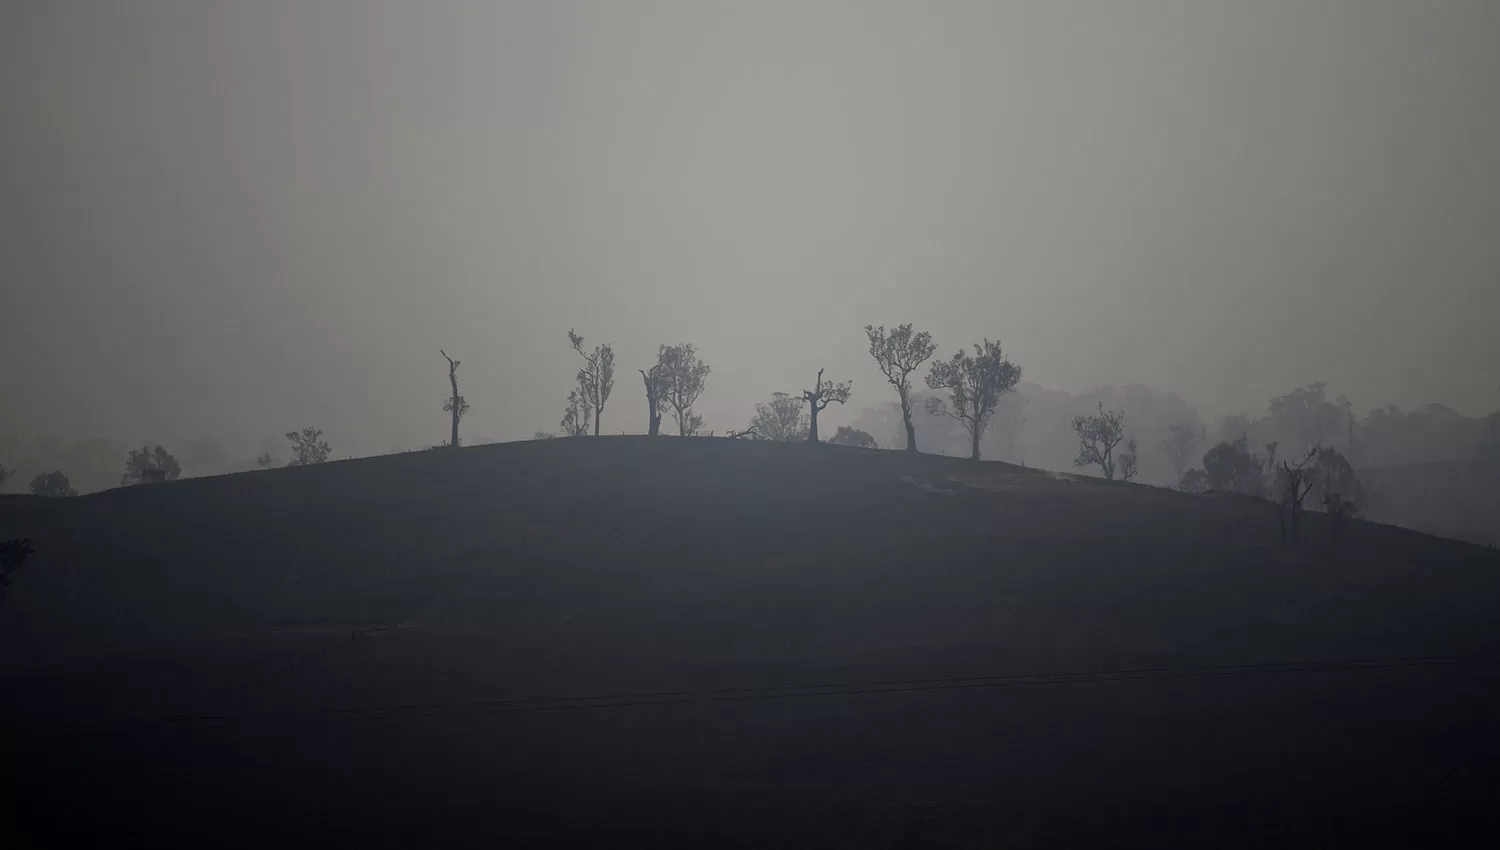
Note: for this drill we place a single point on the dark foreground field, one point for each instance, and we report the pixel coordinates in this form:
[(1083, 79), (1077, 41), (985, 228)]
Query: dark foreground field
[(632, 642)]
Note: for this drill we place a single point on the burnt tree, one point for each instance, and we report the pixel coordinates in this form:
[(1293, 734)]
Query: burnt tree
[(823, 394)]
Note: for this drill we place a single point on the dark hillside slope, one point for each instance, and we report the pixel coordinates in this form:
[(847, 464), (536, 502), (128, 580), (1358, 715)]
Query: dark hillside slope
[(1458, 499), (674, 595)]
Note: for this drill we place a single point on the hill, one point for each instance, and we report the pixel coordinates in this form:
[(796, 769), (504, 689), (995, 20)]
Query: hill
[(689, 642), (1458, 499)]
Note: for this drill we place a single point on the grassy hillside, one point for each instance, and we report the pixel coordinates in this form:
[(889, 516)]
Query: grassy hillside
[(463, 599)]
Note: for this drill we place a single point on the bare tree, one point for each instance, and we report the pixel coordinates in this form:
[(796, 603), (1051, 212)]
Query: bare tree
[(53, 483), (656, 399), (455, 406), (1098, 436), (781, 419), (1182, 439), (575, 421), (148, 464), (597, 377), (899, 353), (308, 447), (975, 384), (1293, 483), (823, 394), (683, 378)]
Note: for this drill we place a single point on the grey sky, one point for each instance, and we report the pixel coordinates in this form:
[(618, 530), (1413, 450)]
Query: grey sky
[(240, 217)]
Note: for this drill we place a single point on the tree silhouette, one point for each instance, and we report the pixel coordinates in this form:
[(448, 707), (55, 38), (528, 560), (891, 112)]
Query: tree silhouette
[(597, 377), (899, 353), (656, 399), (683, 377), (1097, 437), (823, 394), (781, 419), (975, 384), (846, 436), (455, 406), (1293, 482), (575, 421), (308, 447), (147, 464), (1232, 467), (53, 483)]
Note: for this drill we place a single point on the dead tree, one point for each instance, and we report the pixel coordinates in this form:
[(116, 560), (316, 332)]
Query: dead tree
[(655, 397), (455, 405), (898, 354), (1294, 482), (823, 394)]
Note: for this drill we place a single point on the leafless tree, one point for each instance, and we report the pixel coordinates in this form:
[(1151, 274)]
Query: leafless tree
[(899, 353), (781, 419), (597, 377), (684, 377), (823, 394), (308, 447), (656, 400), (975, 382), (1098, 435), (455, 406), (1293, 483)]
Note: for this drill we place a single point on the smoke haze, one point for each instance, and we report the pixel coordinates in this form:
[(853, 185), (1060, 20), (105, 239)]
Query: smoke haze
[(242, 218)]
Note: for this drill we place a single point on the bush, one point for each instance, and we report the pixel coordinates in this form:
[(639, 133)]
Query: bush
[(846, 436), (53, 483), (1234, 468)]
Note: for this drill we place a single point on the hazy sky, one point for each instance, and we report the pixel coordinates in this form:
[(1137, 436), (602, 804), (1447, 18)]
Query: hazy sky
[(235, 218)]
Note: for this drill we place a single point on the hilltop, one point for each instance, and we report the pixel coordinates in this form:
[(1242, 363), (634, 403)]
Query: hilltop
[(665, 574)]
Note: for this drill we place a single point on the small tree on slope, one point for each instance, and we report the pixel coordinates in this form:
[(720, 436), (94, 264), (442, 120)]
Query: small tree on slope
[(455, 406), (899, 353), (597, 377), (823, 394), (974, 384)]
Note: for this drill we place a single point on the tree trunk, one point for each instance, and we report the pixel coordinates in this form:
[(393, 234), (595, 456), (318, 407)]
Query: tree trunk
[(812, 428), (911, 431), (598, 416), (974, 434), (453, 378)]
